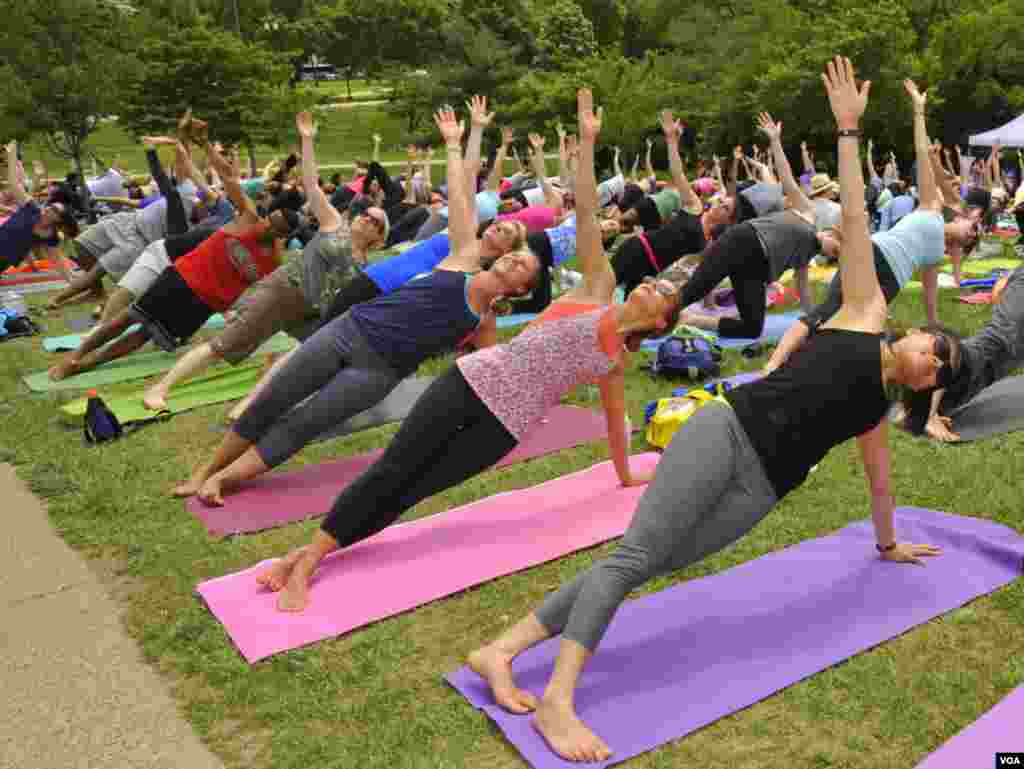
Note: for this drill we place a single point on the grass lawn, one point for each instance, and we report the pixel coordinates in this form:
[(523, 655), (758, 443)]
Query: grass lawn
[(375, 697)]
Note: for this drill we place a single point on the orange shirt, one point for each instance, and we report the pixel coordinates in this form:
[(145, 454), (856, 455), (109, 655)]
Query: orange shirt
[(224, 265)]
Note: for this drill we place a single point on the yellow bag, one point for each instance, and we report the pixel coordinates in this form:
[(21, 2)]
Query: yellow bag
[(672, 412)]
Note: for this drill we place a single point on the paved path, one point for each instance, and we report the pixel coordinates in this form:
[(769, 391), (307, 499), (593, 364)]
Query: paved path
[(76, 693)]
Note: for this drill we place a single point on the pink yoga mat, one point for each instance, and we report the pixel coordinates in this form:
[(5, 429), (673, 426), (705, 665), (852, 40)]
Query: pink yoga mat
[(1000, 730), (411, 564), (281, 498)]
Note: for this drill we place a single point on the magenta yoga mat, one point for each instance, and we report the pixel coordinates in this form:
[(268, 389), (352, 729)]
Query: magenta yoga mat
[(281, 498), (1000, 730), (684, 657), (413, 563)]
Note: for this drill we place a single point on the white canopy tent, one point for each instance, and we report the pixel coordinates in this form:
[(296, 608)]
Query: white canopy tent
[(1009, 135)]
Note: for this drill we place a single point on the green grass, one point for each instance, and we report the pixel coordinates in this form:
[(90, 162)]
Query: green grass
[(375, 697)]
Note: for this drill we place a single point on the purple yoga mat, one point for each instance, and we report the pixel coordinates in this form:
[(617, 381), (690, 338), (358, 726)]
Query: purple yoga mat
[(281, 498), (413, 563), (998, 731), (682, 658)]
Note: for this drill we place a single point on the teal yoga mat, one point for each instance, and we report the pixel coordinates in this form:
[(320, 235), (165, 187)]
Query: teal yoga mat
[(71, 342), (134, 366)]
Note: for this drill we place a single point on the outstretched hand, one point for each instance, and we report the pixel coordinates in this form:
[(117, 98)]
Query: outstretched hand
[(507, 136), (478, 114), (537, 142), (769, 127), (848, 102), (590, 121), (941, 429), (451, 129), (905, 552), (305, 125), (918, 98), (672, 128)]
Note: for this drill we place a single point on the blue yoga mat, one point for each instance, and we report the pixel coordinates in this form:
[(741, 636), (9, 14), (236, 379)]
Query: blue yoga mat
[(679, 659), (72, 341), (518, 319), (774, 327)]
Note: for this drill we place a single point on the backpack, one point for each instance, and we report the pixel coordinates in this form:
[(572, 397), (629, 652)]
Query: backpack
[(670, 413), (695, 358), (101, 424)]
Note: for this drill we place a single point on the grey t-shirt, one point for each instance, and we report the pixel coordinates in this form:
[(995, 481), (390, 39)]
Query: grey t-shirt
[(151, 221), (789, 241)]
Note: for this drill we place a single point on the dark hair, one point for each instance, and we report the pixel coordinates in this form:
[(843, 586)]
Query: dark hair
[(917, 403)]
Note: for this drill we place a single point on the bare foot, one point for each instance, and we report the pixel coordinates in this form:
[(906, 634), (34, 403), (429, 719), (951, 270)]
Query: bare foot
[(191, 487), (211, 492), (276, 577), (566, 735), (155, 398), (63, 370), (295, 595), (495, 667)]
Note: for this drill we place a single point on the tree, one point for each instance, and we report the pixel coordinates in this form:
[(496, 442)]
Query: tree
[(65, 60), (566, 36), (241, 88)]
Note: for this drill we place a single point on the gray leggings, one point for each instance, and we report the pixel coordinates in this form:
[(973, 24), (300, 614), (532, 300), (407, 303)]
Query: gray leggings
[(710, 489), (342, 373)]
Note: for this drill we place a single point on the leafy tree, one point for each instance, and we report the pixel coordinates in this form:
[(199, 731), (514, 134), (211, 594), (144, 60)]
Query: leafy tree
[(65, 61), (566, 36)]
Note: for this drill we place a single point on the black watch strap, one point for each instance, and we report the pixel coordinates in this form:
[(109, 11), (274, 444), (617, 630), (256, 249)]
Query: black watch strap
[(885, 549)]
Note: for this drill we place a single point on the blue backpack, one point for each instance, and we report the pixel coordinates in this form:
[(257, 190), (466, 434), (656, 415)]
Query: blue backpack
[(694, 358)]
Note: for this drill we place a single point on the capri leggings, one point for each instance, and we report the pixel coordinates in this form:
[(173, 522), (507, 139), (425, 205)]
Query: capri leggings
[(333, 376), (890, 288), (177, 219), (449, 436), (710, 490), (739, 256)]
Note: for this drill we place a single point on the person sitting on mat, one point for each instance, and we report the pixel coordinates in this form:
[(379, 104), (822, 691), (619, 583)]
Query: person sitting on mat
[(988, 356), (490, 401), (207, 280), (728, 465), (113, 244), (688, 231), (290, 298), (916, 242), (355, 360)]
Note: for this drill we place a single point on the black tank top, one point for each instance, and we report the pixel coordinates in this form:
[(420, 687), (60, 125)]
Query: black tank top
[(828, 392)]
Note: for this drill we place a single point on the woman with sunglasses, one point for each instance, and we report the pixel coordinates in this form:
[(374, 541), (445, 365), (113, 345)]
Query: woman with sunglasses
[(481, 408), (207, 280), (290, 298), (31, 225), (987, 356), (917, 242), (351, 363), (728, 466)]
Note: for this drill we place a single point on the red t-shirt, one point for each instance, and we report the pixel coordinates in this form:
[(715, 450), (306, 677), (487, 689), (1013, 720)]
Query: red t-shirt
[(224, 265)]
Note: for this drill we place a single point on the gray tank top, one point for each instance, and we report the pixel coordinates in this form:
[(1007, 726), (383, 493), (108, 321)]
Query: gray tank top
[(789, 241)]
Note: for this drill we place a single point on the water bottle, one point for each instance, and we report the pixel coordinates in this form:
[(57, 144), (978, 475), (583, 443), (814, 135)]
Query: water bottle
[(15, 303)]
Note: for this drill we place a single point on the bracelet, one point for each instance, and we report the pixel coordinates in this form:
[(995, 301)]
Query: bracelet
[(849, 133), (885, 549)]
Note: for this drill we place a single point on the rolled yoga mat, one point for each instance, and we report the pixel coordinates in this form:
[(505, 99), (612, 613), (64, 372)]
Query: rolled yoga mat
[(775, 325), (281, 498), (997, 409), (998, 731), (682, 658), (73, 341), (413, 563), (138, 365)]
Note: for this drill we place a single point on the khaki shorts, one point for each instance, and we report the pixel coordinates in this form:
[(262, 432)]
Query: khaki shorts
[(271, 305)]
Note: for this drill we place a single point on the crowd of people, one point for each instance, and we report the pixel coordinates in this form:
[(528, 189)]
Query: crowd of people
[(289, 251)]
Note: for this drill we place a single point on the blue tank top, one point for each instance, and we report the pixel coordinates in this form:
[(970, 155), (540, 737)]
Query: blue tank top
[(392, 273), (425, 317)]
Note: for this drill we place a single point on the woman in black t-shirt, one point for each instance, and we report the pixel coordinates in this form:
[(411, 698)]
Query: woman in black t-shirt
[(729, 464)]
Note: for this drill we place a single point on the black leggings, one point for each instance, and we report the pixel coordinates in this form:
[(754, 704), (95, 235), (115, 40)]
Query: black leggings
[(177, 220), (358, 290), (890, 287), (407, 227), (449, 436), (739, 256)]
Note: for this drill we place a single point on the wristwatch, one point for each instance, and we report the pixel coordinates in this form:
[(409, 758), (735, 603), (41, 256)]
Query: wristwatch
[(885, 549)]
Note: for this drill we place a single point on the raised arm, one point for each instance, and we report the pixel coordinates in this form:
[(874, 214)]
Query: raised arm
[(734, 171), (870, 158), (806, 157), (461, 213), (863, 305), (790, 188), (326, 214), (14, 184), (718, 174), (479, 119), (927, 189), (997, 172), (673, 130), (648, 166), (376, 148), (616, 168), (563, 156), (540, 170), (589, 248), (229, 174), (497, 171)]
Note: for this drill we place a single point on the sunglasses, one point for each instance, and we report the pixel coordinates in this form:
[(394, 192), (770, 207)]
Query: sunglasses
[(944, 352)]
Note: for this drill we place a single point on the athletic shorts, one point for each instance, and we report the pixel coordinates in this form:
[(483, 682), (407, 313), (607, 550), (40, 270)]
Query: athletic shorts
[(147, 268), (170, 311)]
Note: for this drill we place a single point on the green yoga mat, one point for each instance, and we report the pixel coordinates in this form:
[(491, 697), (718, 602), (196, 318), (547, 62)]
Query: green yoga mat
[(216, 387), (985, 266), (134, 366)]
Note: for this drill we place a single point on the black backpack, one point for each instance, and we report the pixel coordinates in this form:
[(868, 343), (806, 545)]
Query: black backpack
[(101, 424)]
